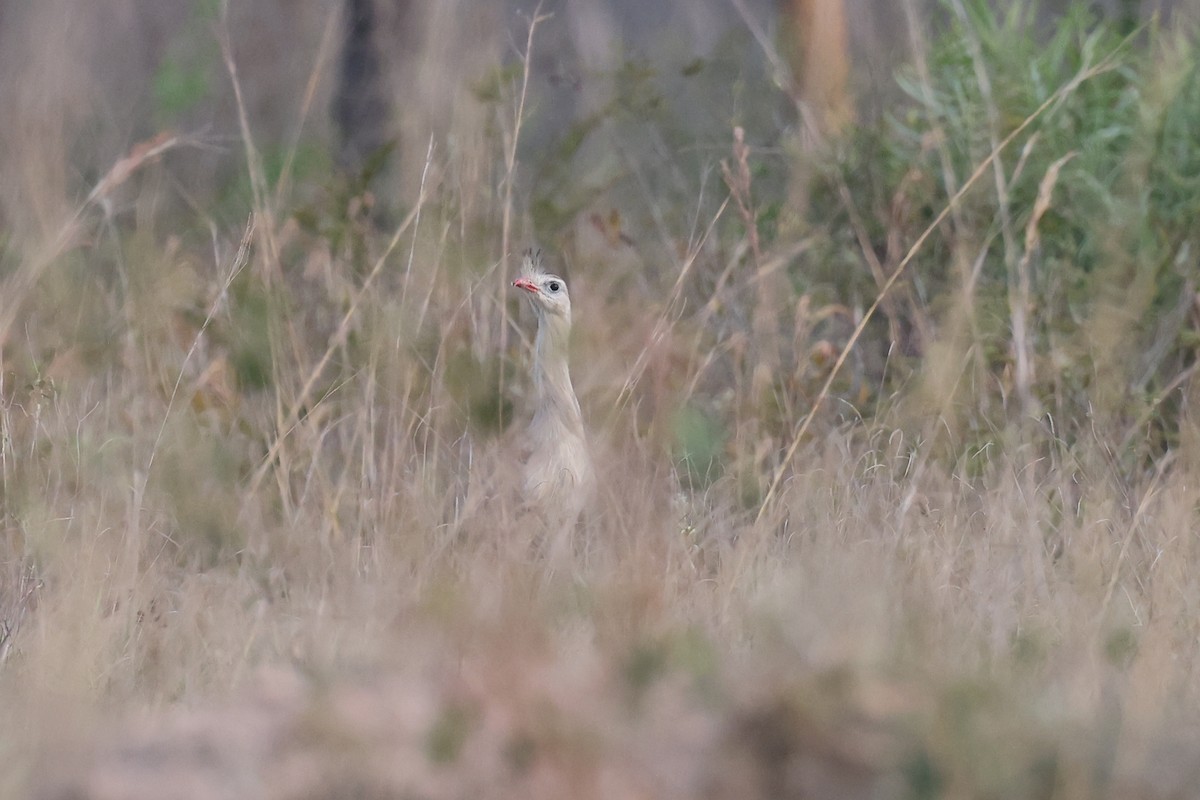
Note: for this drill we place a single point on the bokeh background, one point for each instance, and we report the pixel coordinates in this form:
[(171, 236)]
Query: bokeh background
[(886, 329)]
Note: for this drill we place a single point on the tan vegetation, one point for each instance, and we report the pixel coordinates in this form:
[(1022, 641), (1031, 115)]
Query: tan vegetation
[(260, 528)]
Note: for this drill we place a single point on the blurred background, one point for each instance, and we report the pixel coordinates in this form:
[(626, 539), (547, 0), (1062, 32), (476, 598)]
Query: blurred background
[(85, 81), (887, 327)]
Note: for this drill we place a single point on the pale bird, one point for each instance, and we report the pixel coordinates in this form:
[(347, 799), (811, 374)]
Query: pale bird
[(558, 472)]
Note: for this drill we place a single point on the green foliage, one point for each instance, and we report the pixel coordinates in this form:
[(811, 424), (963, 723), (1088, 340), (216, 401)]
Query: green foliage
[(924, 778), (473, 385), (184, 78), (1121, 646), (179, 86), (302, 467), (448, 735), (196, 474), (1109, 257), (493, 87), (699, 443), (310, 169), (251, 334), (661, 126)]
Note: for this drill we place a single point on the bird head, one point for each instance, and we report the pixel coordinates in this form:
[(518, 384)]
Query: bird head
[(547, 292)]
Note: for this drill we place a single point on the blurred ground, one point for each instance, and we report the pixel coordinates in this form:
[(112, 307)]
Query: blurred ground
[(258, 405)]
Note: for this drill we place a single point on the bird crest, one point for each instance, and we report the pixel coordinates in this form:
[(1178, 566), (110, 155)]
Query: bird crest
[(546, 291)]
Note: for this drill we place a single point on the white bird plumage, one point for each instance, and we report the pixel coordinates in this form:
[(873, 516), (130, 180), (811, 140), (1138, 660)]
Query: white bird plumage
[(558, 473)]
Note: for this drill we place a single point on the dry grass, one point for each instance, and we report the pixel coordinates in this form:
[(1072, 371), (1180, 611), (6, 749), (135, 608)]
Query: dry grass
[(260, 536)]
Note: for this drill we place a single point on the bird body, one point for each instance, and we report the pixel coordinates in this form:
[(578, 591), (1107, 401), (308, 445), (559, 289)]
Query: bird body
[(558, 472)]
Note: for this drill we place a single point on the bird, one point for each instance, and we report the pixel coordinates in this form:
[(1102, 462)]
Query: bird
[(558, 474)]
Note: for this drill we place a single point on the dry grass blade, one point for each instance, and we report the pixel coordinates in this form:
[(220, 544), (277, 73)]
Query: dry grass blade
[(510, 177), (293, 415), (739, 188), (1104, 65), (310, 92), (1020, 303), (17, 286), (25, 598), (661, 325), (1042, 204), (208, 472), (254, 166), (514, 138), (139, 155), (240, 259)]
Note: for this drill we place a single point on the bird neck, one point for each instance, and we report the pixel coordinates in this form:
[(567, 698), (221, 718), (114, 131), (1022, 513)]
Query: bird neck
[(552, 374)]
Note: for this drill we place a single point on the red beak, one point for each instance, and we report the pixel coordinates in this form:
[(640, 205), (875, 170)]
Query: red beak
[(527, 285)]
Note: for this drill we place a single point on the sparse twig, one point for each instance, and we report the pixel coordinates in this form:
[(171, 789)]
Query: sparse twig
[(782, 74), (10, 626), (240, 259), (264, 208), (737, 178), (510, 177), (310, 93)]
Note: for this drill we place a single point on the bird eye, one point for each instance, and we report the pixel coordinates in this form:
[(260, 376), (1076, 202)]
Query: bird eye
[(554, 286)]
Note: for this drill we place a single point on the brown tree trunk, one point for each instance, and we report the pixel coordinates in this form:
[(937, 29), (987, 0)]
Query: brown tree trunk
[(818, 49)]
